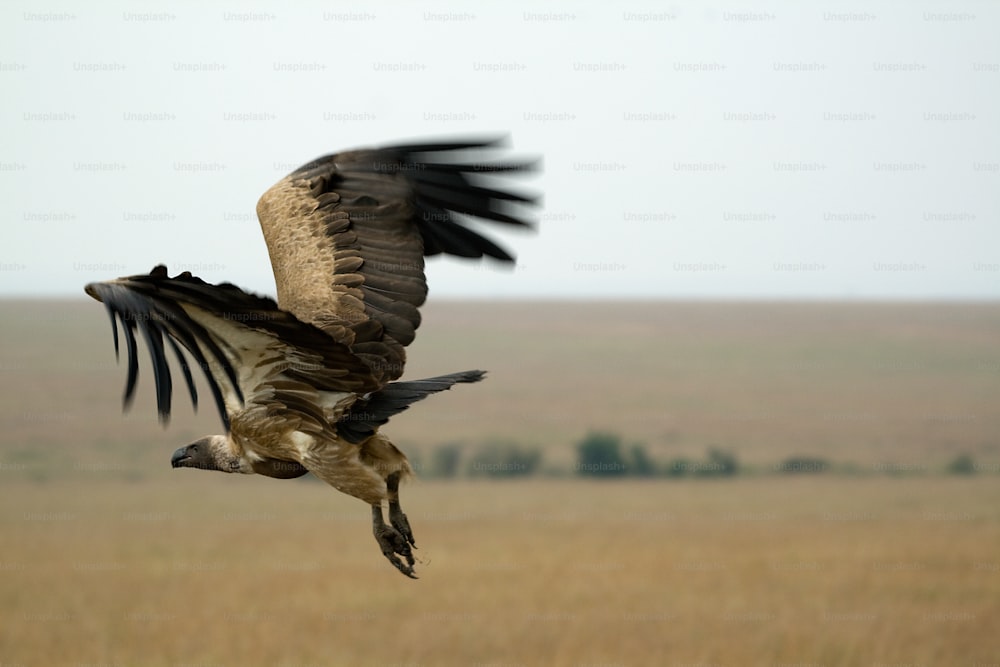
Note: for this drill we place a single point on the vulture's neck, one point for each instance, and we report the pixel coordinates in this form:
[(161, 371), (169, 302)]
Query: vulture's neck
[(227, 457)]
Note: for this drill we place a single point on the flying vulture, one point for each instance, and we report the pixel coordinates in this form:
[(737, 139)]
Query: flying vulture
[(304, 384)]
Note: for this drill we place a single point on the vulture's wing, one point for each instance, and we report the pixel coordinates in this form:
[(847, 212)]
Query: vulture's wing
[(251, 351), (348, 232)]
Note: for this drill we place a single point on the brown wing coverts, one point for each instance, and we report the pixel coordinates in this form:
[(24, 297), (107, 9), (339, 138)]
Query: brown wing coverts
[(152, 304), (348, 234)]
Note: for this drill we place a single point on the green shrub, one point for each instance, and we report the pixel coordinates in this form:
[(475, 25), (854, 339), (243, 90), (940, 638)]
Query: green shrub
[(640, 464), (599, 455), (963, 464)]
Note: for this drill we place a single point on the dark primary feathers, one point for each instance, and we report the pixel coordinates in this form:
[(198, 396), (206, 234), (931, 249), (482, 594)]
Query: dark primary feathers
[(367, 414), (221, 327), (347, 234)]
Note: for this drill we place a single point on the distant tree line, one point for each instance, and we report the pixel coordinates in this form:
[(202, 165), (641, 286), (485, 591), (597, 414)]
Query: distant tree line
[(599, 454), (603, 455)]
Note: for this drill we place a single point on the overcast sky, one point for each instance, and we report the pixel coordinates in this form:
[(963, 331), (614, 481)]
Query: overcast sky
[(779, 149)]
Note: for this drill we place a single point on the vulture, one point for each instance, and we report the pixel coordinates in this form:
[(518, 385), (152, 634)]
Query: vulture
[(305, 383)]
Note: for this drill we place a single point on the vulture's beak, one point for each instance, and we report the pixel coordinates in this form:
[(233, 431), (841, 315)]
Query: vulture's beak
[(179, 458)]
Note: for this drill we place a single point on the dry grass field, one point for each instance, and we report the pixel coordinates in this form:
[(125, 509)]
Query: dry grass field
[(201, 570), (110, 558)]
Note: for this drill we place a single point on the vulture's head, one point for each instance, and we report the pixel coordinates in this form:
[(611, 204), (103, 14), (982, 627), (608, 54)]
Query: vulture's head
[(209, 453)]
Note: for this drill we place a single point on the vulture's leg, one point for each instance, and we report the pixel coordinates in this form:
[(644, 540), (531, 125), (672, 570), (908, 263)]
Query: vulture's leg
[(392, 542), (396, 516)]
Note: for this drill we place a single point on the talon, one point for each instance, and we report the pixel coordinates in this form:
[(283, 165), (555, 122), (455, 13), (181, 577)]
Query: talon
[(396, 516), (392, 542), (400, 523)]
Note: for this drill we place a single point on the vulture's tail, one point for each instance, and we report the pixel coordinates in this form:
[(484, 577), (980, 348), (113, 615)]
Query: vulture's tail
[(366, 415)]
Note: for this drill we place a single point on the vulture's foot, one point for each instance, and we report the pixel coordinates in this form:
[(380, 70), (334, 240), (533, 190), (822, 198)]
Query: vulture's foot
[(396, 516), (399, 522), (393, 543)]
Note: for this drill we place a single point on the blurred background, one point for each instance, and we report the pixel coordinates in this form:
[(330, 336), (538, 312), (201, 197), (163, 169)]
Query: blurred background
[(742, 402)]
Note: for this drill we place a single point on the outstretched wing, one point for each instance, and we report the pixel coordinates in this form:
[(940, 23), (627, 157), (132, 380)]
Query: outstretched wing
[(251, 351), (347, 234)]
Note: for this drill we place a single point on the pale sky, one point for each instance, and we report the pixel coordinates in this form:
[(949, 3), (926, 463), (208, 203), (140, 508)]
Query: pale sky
[(691, 150)]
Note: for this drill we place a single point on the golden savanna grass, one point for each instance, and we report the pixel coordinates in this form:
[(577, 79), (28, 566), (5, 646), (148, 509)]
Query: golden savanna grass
[(109, 557), (195, 570)]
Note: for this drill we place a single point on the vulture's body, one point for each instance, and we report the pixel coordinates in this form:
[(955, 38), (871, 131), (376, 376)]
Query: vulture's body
[(304, 384)]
